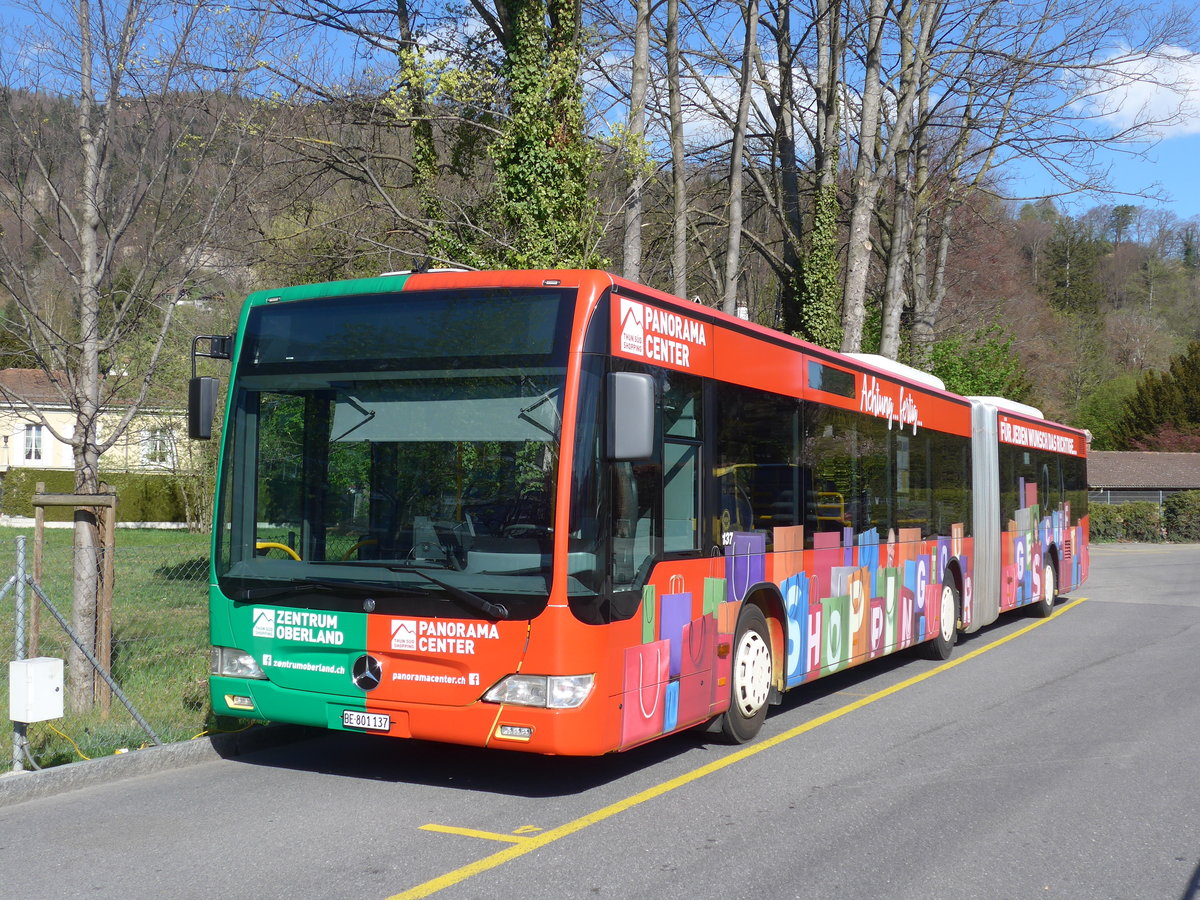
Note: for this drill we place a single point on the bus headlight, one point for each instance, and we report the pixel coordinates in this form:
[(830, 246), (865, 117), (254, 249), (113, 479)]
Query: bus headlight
[(235, 664), (550, 691)]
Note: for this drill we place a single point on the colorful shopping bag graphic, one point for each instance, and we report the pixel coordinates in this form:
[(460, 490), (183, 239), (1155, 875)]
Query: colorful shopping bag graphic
[(675, 612), (644, 702), (745, 563)]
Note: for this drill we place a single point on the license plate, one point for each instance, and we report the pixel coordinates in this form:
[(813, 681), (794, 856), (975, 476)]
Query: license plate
[(355, 718)]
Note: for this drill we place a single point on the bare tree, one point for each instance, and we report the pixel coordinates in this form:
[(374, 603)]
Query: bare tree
[(1008, 81), (640, 76), (121, 211), (679, 197), (733, 258)]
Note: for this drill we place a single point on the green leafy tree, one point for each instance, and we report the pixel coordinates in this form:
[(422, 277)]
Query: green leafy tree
[(1102, 409), (1189, 246), (983, 364), (1120, 219)]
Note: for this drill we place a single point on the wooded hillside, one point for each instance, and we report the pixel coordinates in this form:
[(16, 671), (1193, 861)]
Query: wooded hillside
[(847, 171)]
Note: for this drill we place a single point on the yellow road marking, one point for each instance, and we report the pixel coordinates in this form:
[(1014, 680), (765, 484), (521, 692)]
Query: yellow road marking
[(475, 833), (523, 846)]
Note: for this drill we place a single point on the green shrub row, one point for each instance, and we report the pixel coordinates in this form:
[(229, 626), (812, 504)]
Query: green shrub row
[(141, 497), (1181, 516), (1178, 520)]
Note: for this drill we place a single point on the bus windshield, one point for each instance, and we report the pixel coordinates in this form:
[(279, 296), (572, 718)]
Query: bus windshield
[(401, 446)]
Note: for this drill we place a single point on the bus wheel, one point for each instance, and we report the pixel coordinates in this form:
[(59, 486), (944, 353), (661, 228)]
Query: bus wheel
[(750, 684), (943, 645), (1045, 604)]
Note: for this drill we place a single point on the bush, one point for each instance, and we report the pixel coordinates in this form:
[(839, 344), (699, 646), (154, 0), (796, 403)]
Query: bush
[(1143, 522), (1181, 516), (1138, 522), (1105, 523), (21, 484), (148, 498), (142, 497)]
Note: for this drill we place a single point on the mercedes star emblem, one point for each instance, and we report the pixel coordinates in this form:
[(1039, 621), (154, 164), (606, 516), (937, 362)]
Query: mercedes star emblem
[(367, 673)]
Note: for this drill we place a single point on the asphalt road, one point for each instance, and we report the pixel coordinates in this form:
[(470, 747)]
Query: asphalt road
[(1056, 758)]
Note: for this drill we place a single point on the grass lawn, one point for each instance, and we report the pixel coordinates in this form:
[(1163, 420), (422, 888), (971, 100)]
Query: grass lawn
[(160, 641)]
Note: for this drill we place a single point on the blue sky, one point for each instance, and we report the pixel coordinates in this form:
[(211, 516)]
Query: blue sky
[(1165, 167), (1169, 165), (1163, 176), (1173, 164)]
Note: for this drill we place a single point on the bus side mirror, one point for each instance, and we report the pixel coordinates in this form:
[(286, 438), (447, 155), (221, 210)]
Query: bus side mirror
[(202, 406), (631, 408)]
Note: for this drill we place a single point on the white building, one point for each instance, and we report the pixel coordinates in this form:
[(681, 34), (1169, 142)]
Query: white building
[(152, 443)]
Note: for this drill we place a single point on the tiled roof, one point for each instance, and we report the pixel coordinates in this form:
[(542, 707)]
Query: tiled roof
[(1115, 469), (33, 385), (46, 391)]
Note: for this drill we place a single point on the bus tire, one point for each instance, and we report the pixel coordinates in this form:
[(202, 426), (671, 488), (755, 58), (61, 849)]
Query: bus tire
[(1045, 604), (942, 646), (750, 680)]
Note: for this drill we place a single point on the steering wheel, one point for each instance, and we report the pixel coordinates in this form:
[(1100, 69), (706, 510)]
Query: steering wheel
[(365, 542), (273, 545), (526, 529)]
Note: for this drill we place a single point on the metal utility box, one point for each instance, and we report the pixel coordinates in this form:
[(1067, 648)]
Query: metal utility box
[(35, 689)]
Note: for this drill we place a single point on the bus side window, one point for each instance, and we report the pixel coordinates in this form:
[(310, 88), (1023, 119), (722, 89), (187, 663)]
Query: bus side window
[(759, 483), (682, 412), (633, 490), (681, 495)]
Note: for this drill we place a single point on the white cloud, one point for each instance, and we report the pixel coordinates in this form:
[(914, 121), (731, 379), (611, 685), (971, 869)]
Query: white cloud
[(1157, 96)]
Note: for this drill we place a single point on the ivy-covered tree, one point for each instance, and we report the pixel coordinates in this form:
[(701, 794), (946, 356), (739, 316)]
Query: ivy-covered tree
[(545, 167), (819, 292), (475, 154)]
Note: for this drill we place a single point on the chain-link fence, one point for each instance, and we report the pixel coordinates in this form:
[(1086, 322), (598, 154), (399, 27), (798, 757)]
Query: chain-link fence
[(157, 661), (1116, 498)]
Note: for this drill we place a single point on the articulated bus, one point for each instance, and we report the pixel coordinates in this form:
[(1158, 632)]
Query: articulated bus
[(560, 512)]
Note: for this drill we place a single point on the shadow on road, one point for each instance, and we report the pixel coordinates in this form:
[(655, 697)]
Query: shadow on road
[(503, 772)]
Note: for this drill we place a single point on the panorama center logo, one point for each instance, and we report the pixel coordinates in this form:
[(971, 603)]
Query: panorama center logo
[(404, 634), (633, 327)]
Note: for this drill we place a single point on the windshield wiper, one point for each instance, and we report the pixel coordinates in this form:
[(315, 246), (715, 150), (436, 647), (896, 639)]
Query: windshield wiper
[(544, 398), (367, 416), (474, 601), (328, 586)]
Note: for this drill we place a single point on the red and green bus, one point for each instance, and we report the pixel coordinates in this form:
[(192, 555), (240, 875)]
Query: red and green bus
[(564, 513)]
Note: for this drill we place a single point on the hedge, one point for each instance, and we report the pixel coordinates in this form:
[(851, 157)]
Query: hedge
[(1140, 522), (1181, 517), (142, 497), (1178, 519), (1105, 523)]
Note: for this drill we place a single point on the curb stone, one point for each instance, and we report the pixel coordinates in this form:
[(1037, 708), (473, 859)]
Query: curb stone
[(17, 787)]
